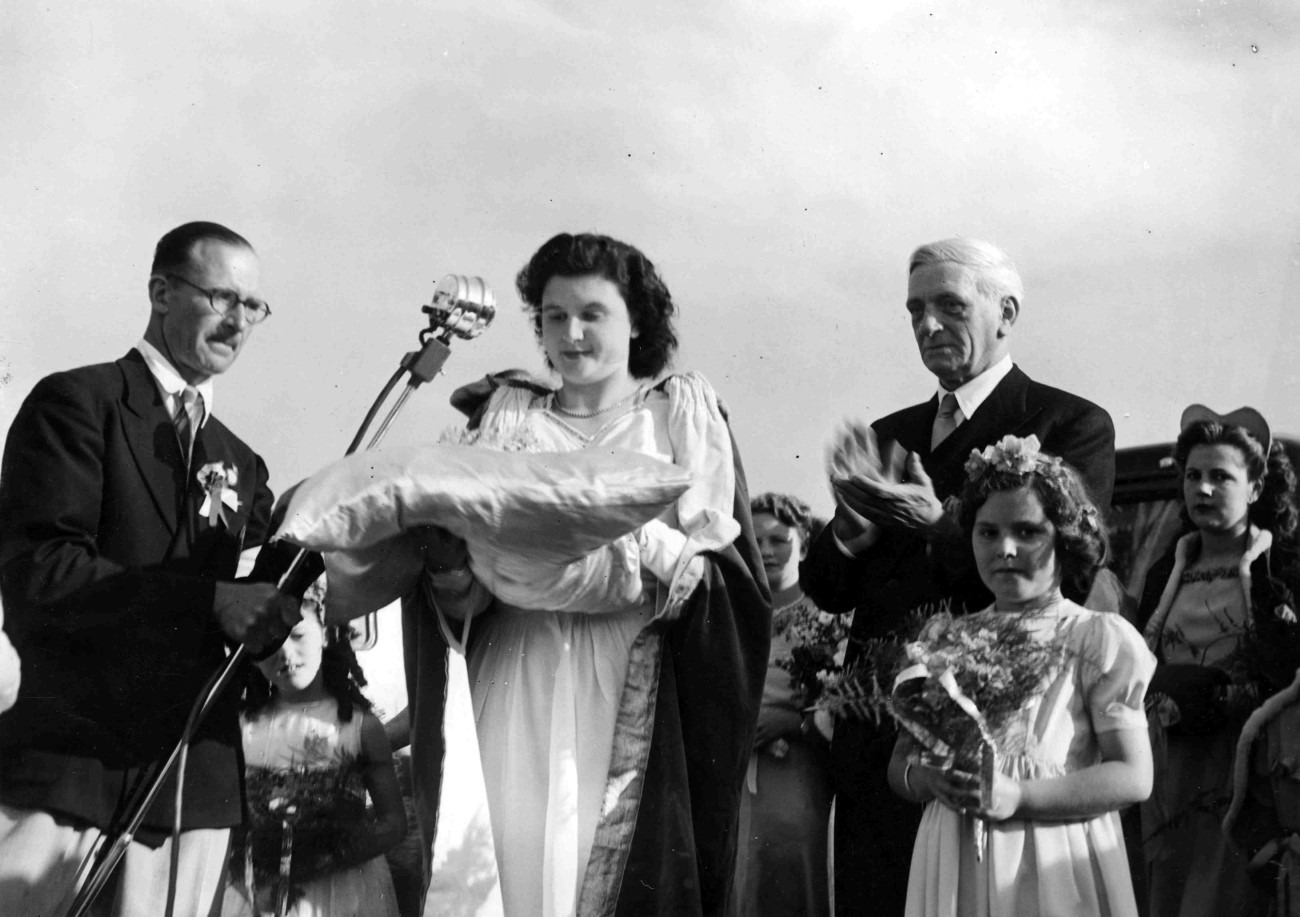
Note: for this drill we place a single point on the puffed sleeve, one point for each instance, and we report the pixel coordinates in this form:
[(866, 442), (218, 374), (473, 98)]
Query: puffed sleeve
[(701, 440), (1117, 668)]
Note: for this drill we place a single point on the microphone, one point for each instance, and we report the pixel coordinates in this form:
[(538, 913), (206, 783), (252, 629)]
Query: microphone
[(462, 306)]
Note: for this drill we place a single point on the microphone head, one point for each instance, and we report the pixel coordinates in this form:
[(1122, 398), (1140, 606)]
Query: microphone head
[(462, 306)]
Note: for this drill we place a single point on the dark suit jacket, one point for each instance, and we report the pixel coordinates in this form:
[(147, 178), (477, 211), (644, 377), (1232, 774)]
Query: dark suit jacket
[(874, 829), (900, 573), (108, 575)]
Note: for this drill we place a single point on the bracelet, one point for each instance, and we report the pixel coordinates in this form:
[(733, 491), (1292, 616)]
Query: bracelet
[(907, 783)]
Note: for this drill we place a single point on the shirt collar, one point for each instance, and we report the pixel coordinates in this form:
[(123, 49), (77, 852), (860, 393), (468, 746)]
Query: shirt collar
[(169, 380), (975, 392)]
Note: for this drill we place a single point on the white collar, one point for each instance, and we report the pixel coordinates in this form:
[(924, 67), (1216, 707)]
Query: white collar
[(975, 392), (169, 380)]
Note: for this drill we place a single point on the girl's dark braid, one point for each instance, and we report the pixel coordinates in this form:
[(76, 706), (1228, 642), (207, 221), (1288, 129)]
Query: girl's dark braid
[(344, 678)]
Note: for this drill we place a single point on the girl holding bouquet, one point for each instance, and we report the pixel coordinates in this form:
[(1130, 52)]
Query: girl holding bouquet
[(1218, 611), (615, 699), (312, 753), (1029, 823)]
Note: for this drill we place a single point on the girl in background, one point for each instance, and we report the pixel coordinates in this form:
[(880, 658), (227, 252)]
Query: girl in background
[(313, 751)]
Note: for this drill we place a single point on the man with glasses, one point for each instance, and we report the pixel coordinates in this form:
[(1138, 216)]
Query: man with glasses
[(127, 512)]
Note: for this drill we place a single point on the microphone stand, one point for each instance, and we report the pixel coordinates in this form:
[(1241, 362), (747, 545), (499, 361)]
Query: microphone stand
[(462, 307)]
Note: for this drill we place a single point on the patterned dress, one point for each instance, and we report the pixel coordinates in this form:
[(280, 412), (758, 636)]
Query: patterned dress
[(301, 768), (785, 809), (1194, 869)]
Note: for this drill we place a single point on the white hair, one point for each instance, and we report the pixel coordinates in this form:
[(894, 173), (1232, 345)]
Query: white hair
[(996, 275)]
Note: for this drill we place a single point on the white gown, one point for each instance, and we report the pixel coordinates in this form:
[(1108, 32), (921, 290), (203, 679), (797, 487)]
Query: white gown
[(546, 685)]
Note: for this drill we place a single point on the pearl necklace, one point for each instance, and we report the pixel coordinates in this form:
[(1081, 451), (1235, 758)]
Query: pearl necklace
[(587, 415)]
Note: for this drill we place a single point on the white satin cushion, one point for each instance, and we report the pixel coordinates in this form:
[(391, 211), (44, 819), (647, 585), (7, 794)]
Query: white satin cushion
[(548, 506)]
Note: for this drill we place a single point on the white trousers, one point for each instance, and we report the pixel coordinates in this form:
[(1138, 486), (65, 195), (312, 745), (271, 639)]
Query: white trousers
[(41, 868)]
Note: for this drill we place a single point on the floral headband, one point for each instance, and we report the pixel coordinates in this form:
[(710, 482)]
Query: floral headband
[(1013, 455), (1010, 454)]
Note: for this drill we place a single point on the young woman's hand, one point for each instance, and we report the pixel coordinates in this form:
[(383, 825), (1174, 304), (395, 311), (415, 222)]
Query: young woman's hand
[(775, 723)]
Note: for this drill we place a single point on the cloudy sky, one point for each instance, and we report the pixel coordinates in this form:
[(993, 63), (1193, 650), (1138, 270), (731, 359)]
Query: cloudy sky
[(777, 161)]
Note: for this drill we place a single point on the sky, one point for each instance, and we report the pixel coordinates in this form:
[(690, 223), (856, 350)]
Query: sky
[(777, 161)]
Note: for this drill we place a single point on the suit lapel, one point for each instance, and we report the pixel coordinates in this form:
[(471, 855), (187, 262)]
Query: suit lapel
[(1008, 405), (915, 426), (151, 439)]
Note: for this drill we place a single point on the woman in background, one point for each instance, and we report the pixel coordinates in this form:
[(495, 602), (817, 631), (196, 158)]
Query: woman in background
[(1214, 611), (781, 864)]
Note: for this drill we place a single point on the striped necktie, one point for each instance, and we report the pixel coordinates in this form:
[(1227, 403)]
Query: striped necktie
[(945, 421), (188, 419)]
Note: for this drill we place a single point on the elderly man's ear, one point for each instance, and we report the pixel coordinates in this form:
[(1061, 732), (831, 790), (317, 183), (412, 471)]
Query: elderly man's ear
[(1010, 311)]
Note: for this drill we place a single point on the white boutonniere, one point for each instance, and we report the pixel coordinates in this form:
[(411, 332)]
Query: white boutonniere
[(218, 482)]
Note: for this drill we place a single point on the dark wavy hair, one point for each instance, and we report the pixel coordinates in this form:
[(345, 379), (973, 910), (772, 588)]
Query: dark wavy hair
[(789, 511), (175, 248), (343, 676), (649, 304), (1081, 543), (1275, 509)]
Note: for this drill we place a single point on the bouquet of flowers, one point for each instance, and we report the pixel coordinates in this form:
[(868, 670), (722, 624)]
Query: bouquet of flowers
[(817, 642), (955, 684), (301, 825)]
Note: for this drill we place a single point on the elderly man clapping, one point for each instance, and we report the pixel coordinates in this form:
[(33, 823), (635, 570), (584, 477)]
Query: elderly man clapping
[(963, 300)]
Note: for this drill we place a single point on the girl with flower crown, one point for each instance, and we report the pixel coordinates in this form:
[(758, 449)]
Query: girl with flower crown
[(1217, 611), (1072, 753)]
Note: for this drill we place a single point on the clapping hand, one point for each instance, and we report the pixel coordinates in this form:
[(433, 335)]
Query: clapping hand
[(856, 452), (908, 503), (856, 455)]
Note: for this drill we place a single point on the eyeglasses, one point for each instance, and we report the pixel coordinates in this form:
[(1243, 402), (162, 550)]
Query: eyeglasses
[(223, 301)]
